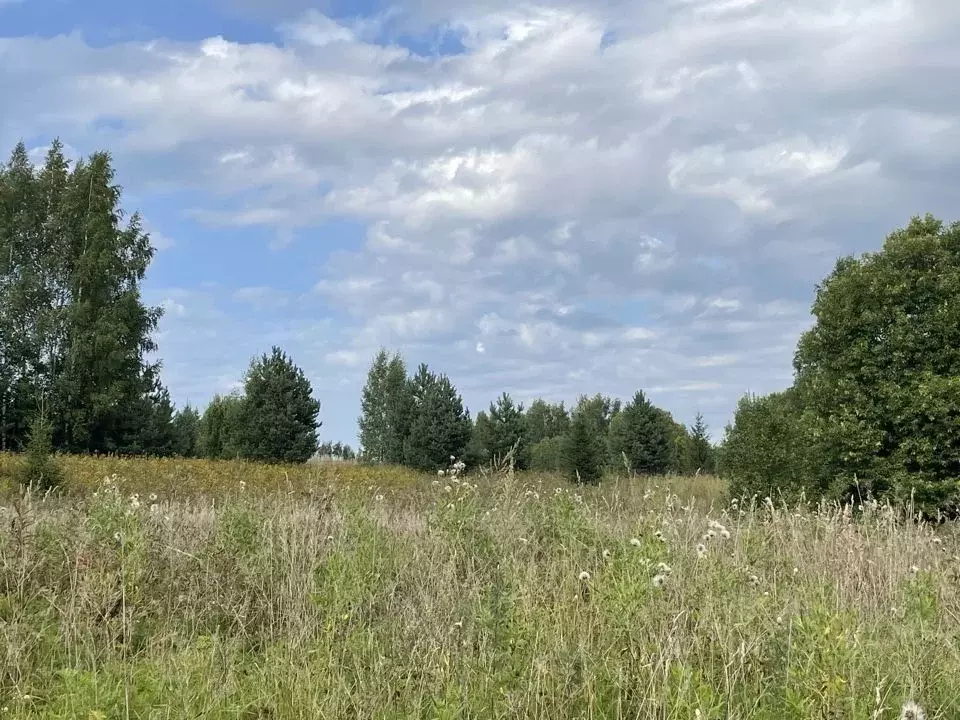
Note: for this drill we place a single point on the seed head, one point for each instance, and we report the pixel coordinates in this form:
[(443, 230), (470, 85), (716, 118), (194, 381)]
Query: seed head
[(701, 551), (912, 711), (607, 554), (659, 580), (635, 542), (584, 576), (662, 567)]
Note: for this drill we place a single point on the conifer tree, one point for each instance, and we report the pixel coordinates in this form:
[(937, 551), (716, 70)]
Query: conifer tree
[(507, 431), (398, 410), (279, 418), (441, 425), (700, 453), (642, 434), (583, 450), (186, 425)]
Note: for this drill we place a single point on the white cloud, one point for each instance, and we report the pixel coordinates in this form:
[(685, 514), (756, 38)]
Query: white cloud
[(593, 196)]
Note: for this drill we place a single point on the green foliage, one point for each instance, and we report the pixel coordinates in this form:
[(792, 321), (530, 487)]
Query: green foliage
[(73, 327), (879, 368), (700, 456), (441, 425), (547, 455), (38, 468), (766, 449), (398, 410), (583, 449), (478, 448), (186, 429), (642, 433), (279, 413), (506, 432), (219, 434), (373, 407), (545, 420)]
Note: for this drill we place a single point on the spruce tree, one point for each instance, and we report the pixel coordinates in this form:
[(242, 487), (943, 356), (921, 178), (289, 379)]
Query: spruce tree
[(39, 469), (700, 451), (642, 434), (279, 412), (583, 450)]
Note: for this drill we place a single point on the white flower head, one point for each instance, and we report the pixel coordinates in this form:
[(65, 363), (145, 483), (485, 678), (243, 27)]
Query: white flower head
[(912, 711), (662, 567), (701, 551), (607, 554), (635, 542), (584, 576), (659, 580)]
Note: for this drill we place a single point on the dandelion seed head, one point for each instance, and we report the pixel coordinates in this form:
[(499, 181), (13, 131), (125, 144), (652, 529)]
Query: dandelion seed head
[(584, 576), (754, 580), (701, 550), (607, 554), (659, 580), (635, 542)]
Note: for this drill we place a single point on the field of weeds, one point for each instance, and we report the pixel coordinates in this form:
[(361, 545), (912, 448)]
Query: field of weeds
[(502, 597)]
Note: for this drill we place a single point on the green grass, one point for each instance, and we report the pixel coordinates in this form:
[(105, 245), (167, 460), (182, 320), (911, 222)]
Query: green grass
[(418, 601)]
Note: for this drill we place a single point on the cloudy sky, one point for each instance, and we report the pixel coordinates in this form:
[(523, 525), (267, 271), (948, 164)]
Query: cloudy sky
[(556, 198)]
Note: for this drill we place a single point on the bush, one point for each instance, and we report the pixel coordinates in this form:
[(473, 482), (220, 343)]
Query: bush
[(39, 469)]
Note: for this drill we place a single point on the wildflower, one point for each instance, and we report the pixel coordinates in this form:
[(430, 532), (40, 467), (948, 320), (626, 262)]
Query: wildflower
[(607, 554), (450, 506), (458, 624), (329, 538), (135, 502), (937, 541), (754, 580), (796, 570), (243, 486), (440, 473), (710, 534), (912, 711), (118, 537), (659, 580), (659, 536), (447, 488), (725, 534), (154, 509), (635, 542), (153, 497), (664, 568), (779, 620), (584, 576), (453, 458), (701, 551), (914, 569)]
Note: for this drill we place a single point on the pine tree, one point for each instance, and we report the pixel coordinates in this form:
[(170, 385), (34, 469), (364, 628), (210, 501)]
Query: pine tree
[(544, 420), (583, 450), (642, 434), (279, 412), (441, 425), (373, 406), (507, 431)]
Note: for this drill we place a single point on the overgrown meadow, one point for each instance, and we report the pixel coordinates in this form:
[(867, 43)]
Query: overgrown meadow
[(176, 589)]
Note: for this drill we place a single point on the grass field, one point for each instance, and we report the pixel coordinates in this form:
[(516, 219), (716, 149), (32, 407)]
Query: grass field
[(241, 591)]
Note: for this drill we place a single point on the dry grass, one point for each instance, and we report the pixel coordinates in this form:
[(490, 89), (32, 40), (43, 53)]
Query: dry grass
[(363, 599)]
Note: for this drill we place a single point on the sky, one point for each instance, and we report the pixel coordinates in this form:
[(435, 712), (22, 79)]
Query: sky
[(550, 199)]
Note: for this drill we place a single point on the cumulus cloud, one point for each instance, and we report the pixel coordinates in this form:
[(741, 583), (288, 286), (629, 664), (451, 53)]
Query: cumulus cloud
[(588, 196)]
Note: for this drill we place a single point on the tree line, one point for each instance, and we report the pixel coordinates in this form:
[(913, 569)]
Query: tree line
[(421, 421)]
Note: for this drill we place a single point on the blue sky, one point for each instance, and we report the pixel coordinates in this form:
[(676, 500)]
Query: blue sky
[(547, 198)]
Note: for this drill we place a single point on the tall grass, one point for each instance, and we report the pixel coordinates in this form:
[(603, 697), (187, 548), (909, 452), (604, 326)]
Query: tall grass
[(516, 597)]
